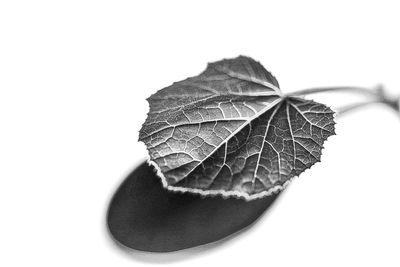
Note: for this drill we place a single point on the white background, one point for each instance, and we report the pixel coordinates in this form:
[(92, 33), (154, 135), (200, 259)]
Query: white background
[(74, 76)]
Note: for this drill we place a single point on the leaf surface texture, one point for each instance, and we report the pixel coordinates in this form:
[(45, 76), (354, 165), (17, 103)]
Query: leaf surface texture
[(230, 131)]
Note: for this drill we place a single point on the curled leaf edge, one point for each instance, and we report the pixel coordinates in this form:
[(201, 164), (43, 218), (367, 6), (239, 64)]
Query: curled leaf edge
[(228, 194), (207, 193)]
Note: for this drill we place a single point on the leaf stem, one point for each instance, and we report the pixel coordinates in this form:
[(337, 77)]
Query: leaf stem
[(345, 109), (377, 94), (352, 89)]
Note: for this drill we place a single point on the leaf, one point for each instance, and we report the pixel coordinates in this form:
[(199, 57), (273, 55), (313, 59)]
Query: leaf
[(230, 131)]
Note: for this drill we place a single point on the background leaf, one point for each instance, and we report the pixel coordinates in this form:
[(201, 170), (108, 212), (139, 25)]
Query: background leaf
[(230, 131)]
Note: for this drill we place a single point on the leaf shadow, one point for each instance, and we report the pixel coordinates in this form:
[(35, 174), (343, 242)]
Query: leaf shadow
[(188, 253)]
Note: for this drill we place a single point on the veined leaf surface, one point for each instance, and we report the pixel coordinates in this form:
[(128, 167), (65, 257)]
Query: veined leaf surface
[(230, 131)]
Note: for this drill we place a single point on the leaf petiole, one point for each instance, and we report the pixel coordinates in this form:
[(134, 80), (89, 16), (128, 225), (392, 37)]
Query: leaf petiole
[(345, 109), (374, 92), (377, 94)]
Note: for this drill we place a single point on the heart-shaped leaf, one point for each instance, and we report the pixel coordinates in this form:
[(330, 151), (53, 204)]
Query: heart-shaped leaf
[(230, 131)]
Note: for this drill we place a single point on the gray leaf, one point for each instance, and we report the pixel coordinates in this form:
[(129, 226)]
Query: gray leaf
[(230, 131)]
